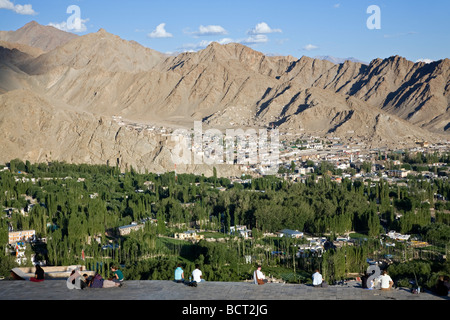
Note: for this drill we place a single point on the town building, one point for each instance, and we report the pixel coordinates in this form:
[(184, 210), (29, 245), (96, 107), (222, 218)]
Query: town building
[(125, 230), (188, 235), (241, 231), (18, 236), (290, 233)]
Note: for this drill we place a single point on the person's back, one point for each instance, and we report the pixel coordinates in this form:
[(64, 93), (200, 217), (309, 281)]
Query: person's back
[(39, 274), (317, 279), (179, 274), (441, 288), (97, 281), (386, 281), (364, 279), (447, 283), (118, 275), (197, 275)]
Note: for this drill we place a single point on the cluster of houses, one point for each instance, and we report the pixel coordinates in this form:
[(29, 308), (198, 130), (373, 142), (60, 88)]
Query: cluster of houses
[(17, 241), (134, 226), (141, 127), (342, 156)]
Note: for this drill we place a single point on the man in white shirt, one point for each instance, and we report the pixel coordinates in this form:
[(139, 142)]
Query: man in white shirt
[(197, 275), (259, 277), (386, 281), (317, 279)]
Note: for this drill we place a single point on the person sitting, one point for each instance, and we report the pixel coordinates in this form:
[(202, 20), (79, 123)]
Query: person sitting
[(84, 283), (88, 280), (386, 281), (39, 274), (179, 274), (441, 289), (97, 281), (259, 277), (118, 275), (364, 279), (318, 280), (447, 283), (197, 275)]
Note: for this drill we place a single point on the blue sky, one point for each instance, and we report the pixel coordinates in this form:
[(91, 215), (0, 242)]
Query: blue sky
[(412, 29)]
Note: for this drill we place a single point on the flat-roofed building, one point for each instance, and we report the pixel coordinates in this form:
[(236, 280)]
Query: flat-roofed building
[(18, 236), (290, 233), (125, 230)]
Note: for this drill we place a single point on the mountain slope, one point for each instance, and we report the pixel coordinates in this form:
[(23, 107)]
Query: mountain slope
[(35, 35), (101, 50), (52, 132), (417, 92), (59, 103)]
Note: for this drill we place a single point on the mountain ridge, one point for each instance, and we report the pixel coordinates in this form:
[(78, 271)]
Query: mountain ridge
[(389, 102)]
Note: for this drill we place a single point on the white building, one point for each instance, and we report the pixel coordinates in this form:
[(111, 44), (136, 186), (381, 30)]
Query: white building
[(398, 236), (290, 233), (241, 231)]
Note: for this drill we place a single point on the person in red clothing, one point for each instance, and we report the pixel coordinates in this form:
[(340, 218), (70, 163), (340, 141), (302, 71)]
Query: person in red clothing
[(38, 275)]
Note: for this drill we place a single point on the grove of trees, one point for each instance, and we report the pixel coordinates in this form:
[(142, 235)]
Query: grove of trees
[(78, 208)]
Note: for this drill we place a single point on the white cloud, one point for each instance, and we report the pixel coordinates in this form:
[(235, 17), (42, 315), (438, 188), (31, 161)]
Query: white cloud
[(78, 25), (310, 47), (160, 32), (425, 60), (191, 47), (211, 30), (398, 35), (337, 5), (262, 28), (26, 9), (255, 39)]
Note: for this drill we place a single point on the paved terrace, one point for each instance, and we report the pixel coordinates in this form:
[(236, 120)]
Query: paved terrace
[(207, 291), (219, 300)]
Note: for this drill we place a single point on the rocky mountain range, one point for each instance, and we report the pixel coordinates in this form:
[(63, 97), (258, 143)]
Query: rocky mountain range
[(336, 60), (60, 95)]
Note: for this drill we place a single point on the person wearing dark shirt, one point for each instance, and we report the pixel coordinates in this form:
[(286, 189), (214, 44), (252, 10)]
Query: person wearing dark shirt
[(441, 288), (97, 281), (39, 274), (364, 279)]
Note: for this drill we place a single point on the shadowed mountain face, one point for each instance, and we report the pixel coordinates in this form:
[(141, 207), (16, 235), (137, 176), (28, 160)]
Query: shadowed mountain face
[(386, 103)]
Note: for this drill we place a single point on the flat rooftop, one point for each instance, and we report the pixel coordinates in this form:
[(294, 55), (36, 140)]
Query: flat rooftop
[(219, 300), (211, 291)]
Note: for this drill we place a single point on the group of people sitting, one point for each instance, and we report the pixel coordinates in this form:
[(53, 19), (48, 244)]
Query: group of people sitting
[(259, 277), (383, 282), (86, 281), (97, 280), (195, 278)]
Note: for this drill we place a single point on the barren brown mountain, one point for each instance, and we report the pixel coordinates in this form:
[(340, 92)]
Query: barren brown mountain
[(35, 35), (59, 93)]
